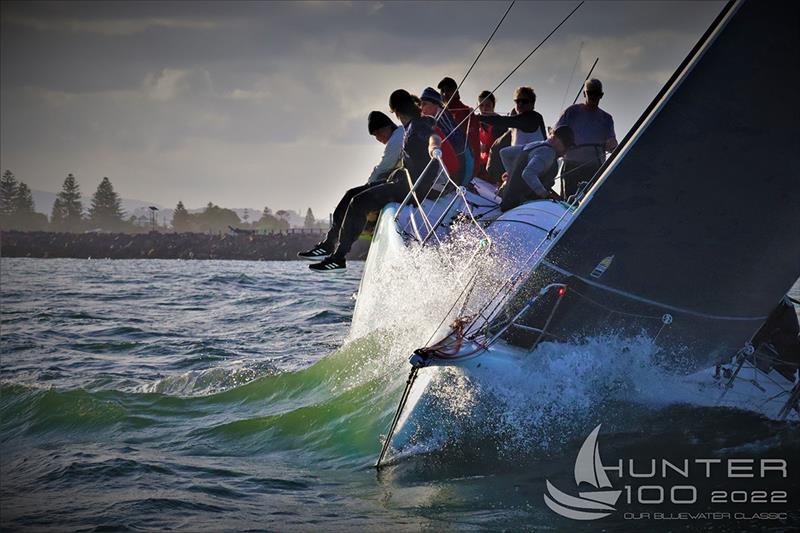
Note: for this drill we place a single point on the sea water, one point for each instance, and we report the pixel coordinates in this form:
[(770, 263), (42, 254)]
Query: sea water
[(229, 395)]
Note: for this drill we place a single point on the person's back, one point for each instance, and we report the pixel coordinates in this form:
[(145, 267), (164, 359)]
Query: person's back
[(594, 135), (535, 170), (592, 127)]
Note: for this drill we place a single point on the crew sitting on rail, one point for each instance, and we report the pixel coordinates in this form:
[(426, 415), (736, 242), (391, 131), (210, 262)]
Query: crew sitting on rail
[(469, 125), (489, 166), (418, 133), (526, 126), (431, 105), (594, 135), (534, 172), (387, 133)]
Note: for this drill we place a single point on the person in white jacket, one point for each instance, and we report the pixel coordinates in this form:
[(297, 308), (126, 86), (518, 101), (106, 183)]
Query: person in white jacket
[(391, 136)]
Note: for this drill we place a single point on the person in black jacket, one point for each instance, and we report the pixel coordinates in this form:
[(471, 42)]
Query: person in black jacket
[(418, 139)]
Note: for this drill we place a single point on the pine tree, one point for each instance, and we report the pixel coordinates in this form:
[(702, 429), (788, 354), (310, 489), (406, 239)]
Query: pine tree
[(310, 221), (23, 201), (69, 200), (181, 219), (58, 214), (106, 210), (8, 193)]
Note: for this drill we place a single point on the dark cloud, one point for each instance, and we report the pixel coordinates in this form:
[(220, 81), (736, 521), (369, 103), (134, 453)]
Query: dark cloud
[(246, 82)]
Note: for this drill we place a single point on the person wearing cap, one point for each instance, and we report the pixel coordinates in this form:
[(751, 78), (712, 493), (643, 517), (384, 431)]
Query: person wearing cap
[(594, 136), (387, 133), (445, 128), (534, 173), (418, 133), (431, 105), (463, 114)]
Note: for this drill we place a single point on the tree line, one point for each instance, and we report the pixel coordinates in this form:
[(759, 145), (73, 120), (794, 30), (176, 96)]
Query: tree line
[(105, 212)]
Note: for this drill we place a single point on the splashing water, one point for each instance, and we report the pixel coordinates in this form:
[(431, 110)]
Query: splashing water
[(197, 395)]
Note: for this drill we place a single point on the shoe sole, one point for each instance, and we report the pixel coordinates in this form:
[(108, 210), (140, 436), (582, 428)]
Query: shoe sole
[(331, 271), (315, 259)]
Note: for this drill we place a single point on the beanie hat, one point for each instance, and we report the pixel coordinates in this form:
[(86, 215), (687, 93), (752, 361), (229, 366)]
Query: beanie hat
[(377, 120), (432, 95)]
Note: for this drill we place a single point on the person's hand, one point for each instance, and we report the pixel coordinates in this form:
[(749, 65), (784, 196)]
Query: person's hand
[(435, 152)]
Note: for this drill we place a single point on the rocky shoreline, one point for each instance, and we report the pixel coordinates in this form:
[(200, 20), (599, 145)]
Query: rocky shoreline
[(277, 246)]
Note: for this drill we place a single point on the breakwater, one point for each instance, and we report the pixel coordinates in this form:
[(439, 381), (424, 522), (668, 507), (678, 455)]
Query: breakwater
[(275, 246)]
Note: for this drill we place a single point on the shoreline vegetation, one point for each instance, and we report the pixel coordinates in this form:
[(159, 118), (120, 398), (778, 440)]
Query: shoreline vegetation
[(268, 246)]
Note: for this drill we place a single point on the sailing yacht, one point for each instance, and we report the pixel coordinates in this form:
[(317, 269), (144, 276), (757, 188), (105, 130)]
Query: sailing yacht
[(688, 236)]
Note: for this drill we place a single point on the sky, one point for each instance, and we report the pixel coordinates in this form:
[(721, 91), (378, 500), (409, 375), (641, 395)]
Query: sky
[(259, 104)]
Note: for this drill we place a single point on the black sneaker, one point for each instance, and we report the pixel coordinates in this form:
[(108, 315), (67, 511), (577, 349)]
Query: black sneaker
[(331, 264), (315, 254)]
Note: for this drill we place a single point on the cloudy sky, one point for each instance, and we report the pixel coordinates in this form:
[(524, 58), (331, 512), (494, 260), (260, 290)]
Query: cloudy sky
[(261, 103)]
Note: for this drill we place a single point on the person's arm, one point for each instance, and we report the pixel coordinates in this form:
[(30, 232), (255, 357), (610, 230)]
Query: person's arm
[(434, 143), (392, 153), (514, 121), (542, 128), (540, 160), (611, 142)]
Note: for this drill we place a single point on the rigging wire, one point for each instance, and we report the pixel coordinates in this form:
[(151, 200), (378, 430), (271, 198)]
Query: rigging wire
[(519, 65), (497, 27), (415, 369), (571, 76), (585, 79)]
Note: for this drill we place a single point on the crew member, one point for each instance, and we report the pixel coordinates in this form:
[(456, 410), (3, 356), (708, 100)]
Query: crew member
[(526, 126), (594, 136), (469, 124), (387, 133), (535, 171), (418, 134)]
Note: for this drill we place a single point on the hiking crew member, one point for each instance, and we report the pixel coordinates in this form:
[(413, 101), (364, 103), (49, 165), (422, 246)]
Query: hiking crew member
[(487, 135), (431, 106), (417, 135), (526, 126), (535, 171), (470, 127), (386, 132), (594, 135)]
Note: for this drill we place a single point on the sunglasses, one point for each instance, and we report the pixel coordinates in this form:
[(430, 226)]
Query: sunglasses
[(522, 101)]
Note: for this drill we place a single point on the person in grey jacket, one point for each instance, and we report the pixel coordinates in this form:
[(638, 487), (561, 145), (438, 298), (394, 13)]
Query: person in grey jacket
[(534, 172), (390, 135)]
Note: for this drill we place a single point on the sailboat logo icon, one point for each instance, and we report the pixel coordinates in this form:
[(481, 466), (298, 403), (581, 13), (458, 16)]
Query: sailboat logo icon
[(590, 505)]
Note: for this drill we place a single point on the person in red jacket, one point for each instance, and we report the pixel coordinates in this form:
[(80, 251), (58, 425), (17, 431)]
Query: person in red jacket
[(488, 134), (463, 113)]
